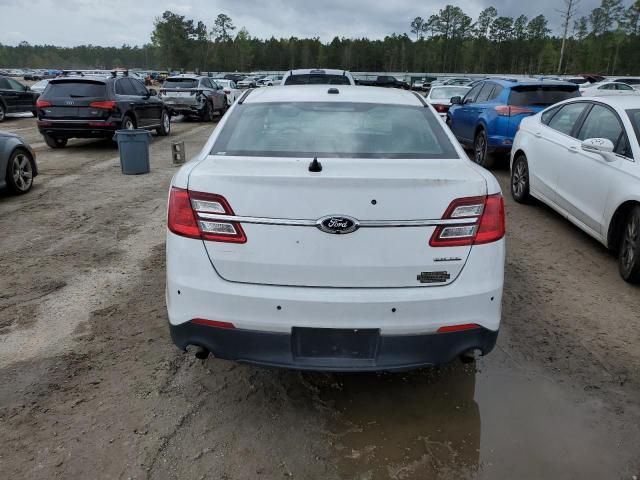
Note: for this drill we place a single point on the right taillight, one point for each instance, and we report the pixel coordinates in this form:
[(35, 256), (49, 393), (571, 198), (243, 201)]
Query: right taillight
[(511, 110), (201, 215), (104, 105), (484, 222)]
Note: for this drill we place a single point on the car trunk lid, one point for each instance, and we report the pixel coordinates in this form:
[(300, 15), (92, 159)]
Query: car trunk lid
[(393, 201)]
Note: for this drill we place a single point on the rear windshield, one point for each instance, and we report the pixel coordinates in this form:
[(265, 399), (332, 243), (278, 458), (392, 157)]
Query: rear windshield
[(447, 93), (317, 79), (332, 129), (542, 95), (180, 83), (76, 89), (577, 81)]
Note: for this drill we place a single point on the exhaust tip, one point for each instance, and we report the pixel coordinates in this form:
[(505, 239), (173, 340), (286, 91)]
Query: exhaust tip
[(202, 353), (470, 355)]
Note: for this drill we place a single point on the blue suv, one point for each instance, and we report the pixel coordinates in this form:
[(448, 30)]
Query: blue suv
[(488, 116)]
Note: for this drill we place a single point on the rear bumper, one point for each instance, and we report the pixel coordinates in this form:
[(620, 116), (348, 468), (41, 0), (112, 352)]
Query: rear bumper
[(195, 290), (392, 352), (79, 129), (500, 143), (180, 106)]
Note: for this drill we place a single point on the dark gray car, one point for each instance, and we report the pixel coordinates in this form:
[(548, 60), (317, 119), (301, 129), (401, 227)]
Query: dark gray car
[(194, 96), (16, 97), (17, 163)]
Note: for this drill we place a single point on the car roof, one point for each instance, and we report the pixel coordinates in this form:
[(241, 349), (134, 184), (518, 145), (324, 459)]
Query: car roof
[(185, 77), (320, 93), (622, 102), (318, 71), (513, 82), (74, 78)]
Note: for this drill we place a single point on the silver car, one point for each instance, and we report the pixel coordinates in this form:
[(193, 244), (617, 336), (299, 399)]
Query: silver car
[(18, 160), (194, 96)]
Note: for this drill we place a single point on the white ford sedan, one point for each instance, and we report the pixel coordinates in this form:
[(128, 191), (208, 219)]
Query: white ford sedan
[(334, 228), (581, 157)]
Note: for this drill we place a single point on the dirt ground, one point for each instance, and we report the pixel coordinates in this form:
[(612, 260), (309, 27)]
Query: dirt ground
[(92, 387)]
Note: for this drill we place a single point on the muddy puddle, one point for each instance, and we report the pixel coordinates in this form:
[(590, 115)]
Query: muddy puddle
[(491, 419)]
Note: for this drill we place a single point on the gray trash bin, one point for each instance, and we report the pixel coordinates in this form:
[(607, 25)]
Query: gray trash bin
[(134, 150)]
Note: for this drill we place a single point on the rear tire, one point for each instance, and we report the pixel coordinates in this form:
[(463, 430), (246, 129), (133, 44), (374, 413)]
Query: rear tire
[(165, 125), (481, 150), (207, 114), (20, 172), (629, 254), (520, 179), (224, 108), (55, 142)]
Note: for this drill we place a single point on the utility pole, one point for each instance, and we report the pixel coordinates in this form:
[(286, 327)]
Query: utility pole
[(568, 14)]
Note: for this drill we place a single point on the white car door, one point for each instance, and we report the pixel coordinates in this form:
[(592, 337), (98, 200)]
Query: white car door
[(553, 136), (585, 179)]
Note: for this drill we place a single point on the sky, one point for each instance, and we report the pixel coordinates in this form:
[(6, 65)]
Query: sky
[(116, 22)]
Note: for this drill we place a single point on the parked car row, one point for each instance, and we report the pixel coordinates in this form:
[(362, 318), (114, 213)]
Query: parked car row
[(576, 153)]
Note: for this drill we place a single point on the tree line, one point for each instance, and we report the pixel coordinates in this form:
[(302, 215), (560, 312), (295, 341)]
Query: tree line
[(605, 40)]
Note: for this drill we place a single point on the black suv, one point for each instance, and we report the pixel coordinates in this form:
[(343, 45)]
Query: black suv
[(15, 97), (95, 107)]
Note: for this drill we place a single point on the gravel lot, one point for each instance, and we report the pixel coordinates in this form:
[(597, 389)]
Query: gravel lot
[(92, 387)]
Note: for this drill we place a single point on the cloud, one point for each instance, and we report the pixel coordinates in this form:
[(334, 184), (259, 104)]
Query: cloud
[(113, 22)]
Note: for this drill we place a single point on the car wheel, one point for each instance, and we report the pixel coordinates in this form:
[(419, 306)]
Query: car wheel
[(207, 112), (224, 109), (55, 142), (165, 125), (20, 172), (480, 150), (520, 179), (629, 255), (3, 113)]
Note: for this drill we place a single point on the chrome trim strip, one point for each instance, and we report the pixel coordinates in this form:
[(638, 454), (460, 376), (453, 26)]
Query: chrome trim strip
[(313, 223)]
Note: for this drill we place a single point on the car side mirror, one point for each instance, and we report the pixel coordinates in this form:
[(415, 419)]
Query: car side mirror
[(457, 100), (153, 92), (601, 146)]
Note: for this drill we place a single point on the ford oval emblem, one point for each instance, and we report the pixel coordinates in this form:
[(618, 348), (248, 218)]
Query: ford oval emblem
[(338, 224)]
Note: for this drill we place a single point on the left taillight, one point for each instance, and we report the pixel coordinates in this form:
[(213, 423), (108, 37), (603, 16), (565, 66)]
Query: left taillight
[(484, 222), (42, 103), (201, 215), (440, 108)]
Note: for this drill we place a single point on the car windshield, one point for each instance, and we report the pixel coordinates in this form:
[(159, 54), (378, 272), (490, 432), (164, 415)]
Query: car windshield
[(447, 93), (78, 88), (317, 79), (542, 95), (333, 129), (180, 83)]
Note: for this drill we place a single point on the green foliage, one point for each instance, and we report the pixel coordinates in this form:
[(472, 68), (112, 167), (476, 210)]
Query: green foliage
[(605, 40)]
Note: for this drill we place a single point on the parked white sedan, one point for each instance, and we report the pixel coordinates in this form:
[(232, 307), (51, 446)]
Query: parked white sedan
[(229, 88), (582, 158), (440, 97), (607, 89), (334, 228)]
